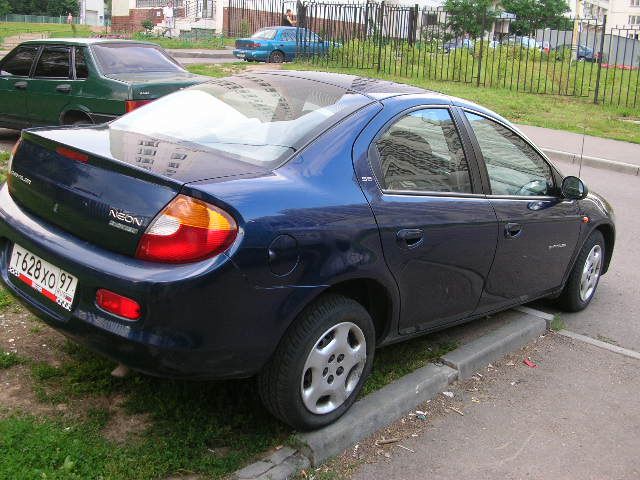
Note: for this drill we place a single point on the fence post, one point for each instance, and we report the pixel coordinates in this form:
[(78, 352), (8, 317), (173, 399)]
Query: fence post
[(381, 28), (484, 21), (599, 72)]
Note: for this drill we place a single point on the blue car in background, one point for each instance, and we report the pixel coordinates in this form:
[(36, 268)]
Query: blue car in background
[(279, 44)]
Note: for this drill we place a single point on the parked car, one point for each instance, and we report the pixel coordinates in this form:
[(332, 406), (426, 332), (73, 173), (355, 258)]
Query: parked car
[(285, 224), (280, 44), (583, 53), (80, 81), (524, 41), (456, 44)]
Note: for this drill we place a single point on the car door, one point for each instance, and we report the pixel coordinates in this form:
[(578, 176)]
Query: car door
[(539, 229), (438, 230), (51, 85), (286, 41), (14, 85)]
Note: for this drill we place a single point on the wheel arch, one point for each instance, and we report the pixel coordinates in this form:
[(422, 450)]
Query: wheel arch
[(608, 232), (75, 113)]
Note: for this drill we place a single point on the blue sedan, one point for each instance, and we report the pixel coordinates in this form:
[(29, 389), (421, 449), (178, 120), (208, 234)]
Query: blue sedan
[(279, 44), (286, 224)]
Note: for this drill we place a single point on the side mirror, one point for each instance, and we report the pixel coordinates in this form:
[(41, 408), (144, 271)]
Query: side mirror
[(573, 188)]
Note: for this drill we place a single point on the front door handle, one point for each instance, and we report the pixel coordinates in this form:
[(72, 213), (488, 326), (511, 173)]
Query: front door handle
[(411, 237), (512, 230), (20, 85), (64, 88)]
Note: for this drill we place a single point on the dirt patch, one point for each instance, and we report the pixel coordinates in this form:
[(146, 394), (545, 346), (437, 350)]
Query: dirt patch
[(17, 394)]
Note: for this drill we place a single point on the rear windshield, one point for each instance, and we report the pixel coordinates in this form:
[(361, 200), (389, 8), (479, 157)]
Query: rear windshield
[(261, 119), (265, 34), (116, 58)]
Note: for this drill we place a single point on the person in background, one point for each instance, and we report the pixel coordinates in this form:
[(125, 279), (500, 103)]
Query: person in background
[(69, 18), (287, 19)]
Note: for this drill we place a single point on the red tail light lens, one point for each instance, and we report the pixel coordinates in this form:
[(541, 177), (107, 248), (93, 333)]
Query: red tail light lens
[(117, 304), (72, 154), (187, 230), (131, 105)]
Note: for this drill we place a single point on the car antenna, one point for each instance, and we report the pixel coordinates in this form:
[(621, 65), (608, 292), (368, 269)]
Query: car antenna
[(584, 130)]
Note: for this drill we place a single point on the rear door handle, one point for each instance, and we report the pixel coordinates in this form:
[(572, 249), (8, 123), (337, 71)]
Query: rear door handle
[(512, 230), (20, 85), (64, 88), (411, 237)]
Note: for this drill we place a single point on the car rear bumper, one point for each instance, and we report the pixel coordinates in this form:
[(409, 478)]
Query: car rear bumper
[(199, 321), (257, 55)]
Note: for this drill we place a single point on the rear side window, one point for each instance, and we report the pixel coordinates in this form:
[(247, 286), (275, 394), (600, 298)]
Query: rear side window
[(288, 36), (18, 63), (514, 167), (117, 58), (422, 152), (265, 34), (81, 64), (53, 63)]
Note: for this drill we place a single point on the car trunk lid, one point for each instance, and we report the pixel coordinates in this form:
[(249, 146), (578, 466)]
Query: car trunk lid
[(152, 85), (106, 186)]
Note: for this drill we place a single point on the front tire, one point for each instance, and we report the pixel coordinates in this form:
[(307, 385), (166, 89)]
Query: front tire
[(585, 275), (320, 365)]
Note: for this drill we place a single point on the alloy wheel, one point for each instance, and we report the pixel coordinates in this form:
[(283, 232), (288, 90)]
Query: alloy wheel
[(591, 273)]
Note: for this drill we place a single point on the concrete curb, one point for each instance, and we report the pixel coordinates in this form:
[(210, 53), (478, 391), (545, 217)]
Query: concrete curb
[(595, 162), (391, 402), (203, 54), (471, 357), (280, 465), (375, 411)]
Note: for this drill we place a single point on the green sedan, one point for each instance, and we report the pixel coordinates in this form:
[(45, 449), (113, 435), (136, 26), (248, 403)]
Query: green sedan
[(82, 81)]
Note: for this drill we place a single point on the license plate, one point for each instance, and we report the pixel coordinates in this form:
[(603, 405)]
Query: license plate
[(50, 281), (240, 55)]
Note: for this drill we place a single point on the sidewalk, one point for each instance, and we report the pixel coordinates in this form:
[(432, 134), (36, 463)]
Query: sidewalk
[(572, 417), (597, 147)]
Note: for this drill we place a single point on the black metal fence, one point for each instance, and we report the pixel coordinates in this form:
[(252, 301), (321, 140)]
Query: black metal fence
[(578, 57)]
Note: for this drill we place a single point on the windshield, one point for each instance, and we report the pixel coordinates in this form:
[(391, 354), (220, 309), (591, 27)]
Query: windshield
[(261, 119), (265, 34), (116, 58)]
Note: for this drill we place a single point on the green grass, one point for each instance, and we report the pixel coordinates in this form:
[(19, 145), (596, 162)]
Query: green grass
[(202, 41), (550, 111), (395, 361), (217, 70), (10, 29), (6, 300), (4, 159), (9, 359), (557, 323)]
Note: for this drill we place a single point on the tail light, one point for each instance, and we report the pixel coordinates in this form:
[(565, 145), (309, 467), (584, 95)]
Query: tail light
[(117, 304), (187, 230), (131, 105)]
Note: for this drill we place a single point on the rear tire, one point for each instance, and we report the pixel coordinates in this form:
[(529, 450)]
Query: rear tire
[(276, 57), (320, 365), (583, 281)]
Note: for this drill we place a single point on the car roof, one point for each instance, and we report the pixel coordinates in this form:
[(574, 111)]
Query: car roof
[(82, 41)]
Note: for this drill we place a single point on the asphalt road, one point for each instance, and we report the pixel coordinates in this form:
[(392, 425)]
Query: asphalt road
[(614, 313)]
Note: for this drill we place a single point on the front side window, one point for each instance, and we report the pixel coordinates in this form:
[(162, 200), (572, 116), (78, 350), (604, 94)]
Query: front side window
[(18, 63), (422, 152), (514, 167), (53, 63), (119, 58)]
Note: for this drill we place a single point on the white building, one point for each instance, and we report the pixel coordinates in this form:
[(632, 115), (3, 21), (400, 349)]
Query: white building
[(92, 12), (623, 16)]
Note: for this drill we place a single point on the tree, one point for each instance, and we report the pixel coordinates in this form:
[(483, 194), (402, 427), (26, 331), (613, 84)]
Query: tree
[(52, 8), (472, 17), (532, 15), (5, 7)]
